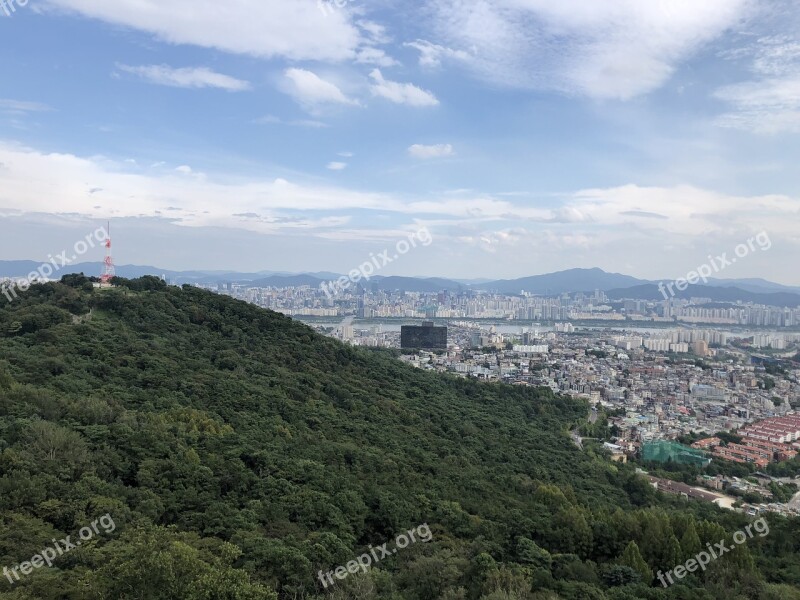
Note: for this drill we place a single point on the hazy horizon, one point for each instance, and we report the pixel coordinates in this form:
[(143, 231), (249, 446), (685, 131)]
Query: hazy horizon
[(303, 136)]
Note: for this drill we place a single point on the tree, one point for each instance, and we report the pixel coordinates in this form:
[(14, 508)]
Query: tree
[(241, 453), (58, 450), (632, 558), (571, 533), (160, 565), (530, 553), (673, 554), (427, 578), (508, 583), (617, 575), (690, 542)]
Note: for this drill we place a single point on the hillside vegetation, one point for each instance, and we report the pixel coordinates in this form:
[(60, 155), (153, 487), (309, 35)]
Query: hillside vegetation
[(239, 453)]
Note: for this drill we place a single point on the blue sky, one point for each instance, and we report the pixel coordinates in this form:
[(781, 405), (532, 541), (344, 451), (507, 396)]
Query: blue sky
[(528, 136)]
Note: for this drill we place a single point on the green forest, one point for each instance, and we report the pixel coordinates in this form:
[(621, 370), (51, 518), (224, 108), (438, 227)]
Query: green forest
[(239, 454)]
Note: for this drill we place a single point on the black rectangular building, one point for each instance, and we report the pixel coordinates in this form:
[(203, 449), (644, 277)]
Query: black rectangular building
[(425, 337)]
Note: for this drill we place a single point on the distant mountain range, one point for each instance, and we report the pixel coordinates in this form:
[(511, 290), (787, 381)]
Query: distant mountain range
[(573, 280), (651, 291), (759, 286), (615, 285), (21, 268)]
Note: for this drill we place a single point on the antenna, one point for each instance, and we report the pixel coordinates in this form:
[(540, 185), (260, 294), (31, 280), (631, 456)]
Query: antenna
[(108, 263)]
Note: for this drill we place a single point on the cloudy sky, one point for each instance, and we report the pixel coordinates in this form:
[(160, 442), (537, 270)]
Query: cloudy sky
[(528, 136)]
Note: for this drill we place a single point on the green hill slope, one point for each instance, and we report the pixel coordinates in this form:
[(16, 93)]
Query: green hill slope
[(239, 454)]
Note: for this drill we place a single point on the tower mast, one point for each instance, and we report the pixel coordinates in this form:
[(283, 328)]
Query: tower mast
[(108, 263)]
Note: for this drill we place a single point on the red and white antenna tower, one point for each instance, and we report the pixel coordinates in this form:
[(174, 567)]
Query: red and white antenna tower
[(108, 263)]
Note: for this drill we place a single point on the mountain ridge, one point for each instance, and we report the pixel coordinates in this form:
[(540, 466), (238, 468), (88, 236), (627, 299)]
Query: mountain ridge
[(551, 284), (241, 454)]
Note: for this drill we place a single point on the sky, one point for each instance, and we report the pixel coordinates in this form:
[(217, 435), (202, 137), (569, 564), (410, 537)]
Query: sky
[(526, 136)]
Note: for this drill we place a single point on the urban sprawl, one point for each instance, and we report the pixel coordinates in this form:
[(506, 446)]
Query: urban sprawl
[(658, 370)]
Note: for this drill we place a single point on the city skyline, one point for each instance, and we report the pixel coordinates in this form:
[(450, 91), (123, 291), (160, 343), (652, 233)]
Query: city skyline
[(306, 136)]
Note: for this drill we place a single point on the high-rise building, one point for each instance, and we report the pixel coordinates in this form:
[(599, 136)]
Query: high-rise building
[(426, 336), (475, 339)]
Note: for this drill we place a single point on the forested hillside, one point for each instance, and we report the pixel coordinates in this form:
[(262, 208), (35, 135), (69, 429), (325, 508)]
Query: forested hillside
[(239, 453)]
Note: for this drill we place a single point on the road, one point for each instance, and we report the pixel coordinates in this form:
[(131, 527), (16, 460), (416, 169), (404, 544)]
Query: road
[(794, 503), (592, 419)]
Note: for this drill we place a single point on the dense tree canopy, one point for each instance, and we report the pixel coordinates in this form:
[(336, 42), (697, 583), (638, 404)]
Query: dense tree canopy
[(240, 453)]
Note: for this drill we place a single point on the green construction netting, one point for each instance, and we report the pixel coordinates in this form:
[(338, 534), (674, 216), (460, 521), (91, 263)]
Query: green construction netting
[(665, 451)]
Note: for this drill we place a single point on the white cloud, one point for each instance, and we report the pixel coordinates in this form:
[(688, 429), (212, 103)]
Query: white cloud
[(296, 30), (431, 55), (307, 123), (434, 151), (689, 211), (375, 56), (604, 48), (273, 120), (186, 77), (310, 90), (27, 175), (374, 35), (401, 93), (337, 166), (514, 238), (770, 102), (767, 106), (22, 106), (374, 31), (658, 215), (776, 56)]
